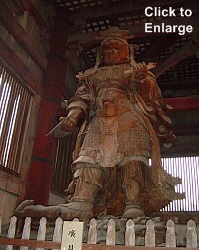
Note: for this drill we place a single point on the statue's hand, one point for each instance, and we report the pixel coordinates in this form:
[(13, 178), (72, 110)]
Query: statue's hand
[(151, 65), (67, 123)]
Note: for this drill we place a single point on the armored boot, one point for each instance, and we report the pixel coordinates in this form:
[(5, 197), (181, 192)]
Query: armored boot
[(131, 185), (81, 203), (80, 206), (86, 183), (132, 206), (83, 191)]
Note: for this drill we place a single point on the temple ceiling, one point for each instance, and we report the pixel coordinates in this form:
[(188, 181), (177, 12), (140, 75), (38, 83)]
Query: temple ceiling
[(176, 55)]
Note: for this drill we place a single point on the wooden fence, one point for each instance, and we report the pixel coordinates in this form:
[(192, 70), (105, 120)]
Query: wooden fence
[(40, 242)]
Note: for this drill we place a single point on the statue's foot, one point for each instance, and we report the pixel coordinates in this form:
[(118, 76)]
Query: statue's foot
[(27, 208), (23, 204), (76, 209), (132, 211)]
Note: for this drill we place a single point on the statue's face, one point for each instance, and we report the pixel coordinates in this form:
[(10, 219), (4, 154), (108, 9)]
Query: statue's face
[(115, 52)]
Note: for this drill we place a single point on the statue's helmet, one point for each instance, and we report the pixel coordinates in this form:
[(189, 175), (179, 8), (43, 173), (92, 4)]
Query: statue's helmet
[(114, 33)]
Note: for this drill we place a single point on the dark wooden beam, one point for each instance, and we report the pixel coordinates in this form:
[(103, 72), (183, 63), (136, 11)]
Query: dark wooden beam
[(15, 29), (137, 29), (122, 247), (20, 6), (57, 245), (184, 103), (176, 76), (14, 62), (28, 6), (157, 46), (30, 243), (183, 147), (179, 55)]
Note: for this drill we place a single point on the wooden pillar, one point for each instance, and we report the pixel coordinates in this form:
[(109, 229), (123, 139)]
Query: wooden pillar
[(40, 172)]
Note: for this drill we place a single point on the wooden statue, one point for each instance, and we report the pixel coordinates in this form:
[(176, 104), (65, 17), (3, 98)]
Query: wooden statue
[(124, 118)]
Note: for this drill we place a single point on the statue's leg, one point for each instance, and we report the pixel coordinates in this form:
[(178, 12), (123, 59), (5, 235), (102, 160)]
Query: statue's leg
[(86, 183), (132, 179)]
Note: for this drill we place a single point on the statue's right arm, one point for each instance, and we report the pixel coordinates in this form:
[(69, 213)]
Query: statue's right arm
[(77, 108)]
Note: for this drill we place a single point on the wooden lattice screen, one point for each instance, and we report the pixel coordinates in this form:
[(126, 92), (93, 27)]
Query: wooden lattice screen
[(15, 106), (187, 168)]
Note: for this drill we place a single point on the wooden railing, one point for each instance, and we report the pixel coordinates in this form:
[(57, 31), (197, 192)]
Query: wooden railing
[(24, 240)]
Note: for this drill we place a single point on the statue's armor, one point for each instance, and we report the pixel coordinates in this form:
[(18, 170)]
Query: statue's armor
[(124, 114), (116, 134)]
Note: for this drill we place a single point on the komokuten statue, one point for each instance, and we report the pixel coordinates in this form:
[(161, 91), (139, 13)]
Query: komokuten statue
[(124, 119)]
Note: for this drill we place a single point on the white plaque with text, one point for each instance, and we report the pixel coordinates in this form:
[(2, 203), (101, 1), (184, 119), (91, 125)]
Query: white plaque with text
[(72, 235)]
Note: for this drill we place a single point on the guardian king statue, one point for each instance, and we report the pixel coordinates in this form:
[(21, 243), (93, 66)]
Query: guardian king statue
[(124, 121)]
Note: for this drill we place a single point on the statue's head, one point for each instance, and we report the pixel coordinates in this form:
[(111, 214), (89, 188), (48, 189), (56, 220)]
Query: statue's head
[(114, 46), (115, 51)]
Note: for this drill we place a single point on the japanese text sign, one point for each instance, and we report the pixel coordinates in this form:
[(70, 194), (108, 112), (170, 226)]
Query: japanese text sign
[(72, 235)]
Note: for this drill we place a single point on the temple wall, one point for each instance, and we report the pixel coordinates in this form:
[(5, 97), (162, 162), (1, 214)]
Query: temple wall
[(35, 26)]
